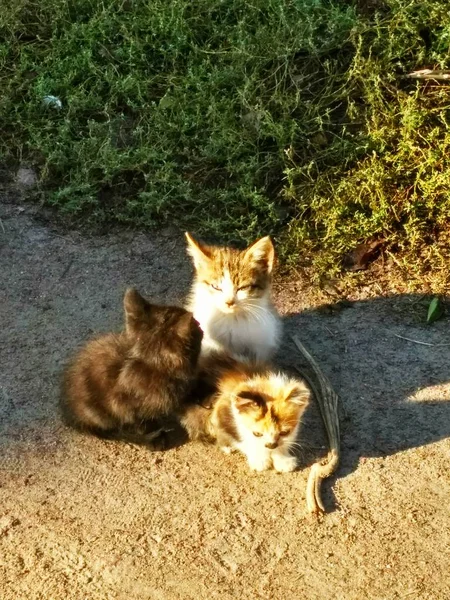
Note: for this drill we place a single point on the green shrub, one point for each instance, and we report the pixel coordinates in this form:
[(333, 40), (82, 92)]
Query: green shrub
[(235, 118)]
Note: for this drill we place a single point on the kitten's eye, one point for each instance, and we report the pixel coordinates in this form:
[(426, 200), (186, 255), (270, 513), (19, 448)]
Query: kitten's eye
[(285, 432), (257, 434), (248, 288), (214, 287)]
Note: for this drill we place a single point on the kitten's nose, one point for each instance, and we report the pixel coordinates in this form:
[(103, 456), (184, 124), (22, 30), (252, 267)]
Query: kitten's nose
[(230, 302), (271, 445)]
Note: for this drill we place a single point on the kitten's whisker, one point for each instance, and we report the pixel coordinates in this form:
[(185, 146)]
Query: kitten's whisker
[(258, 312), (254, 313), (251, 311), (255, 305), (296, 445)]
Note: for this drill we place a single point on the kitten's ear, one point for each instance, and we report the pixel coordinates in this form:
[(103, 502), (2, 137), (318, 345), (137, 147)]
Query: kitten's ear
[(199, 252), (261, 253), (133, 304), (299, 394), (248, 400)]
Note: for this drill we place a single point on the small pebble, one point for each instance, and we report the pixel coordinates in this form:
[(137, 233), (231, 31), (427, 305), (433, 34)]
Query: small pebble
[(26, 177)]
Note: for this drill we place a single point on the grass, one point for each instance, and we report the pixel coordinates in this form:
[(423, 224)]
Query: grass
[(238, 118)]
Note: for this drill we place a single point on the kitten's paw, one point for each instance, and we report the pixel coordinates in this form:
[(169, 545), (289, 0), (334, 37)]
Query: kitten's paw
[(283, 463), (158, 442), (259, 463)]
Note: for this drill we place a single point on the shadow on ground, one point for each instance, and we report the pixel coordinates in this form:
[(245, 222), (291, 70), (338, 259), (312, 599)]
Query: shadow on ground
[(58, 289), (389, 388)]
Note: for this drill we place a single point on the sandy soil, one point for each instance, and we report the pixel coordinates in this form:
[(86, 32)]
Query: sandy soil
[(82, 518)]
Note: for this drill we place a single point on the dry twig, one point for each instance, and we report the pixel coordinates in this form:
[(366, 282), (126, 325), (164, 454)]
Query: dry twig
[(402, 337), (439, 75), (327, 400)]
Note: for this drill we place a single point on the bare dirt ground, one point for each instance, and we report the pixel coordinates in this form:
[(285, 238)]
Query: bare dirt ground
[(82, 518)]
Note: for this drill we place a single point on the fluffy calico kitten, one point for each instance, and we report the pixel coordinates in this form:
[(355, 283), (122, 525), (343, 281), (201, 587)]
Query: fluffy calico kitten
[(120, 385), (250, 409), (231, 298)]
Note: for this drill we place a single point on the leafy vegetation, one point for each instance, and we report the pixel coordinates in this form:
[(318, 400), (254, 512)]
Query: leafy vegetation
[(238, 118), (435, 310)]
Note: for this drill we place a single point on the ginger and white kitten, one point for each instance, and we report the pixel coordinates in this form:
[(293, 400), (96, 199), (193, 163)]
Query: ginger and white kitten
[(231, 298), (250, 409)]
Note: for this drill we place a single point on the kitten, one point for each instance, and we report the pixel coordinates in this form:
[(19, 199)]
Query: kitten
[(248, 408), (121, 385), (231, 298)]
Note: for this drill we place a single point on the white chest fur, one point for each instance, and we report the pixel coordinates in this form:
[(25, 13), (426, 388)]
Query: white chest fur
[(254, 332)]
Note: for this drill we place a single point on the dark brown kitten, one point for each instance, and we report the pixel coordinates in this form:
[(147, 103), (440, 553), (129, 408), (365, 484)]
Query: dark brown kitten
[(122, 385)]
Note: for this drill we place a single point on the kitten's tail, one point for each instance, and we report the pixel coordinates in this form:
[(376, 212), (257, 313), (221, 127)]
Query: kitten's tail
[(327, 400)]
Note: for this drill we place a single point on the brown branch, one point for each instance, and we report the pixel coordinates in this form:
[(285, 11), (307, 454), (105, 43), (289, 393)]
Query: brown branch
[(327, 400)]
